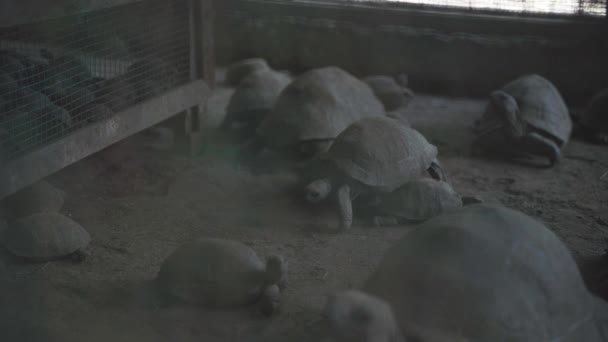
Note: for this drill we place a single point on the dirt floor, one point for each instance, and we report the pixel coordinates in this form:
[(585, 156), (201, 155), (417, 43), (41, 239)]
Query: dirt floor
[(139, 204)]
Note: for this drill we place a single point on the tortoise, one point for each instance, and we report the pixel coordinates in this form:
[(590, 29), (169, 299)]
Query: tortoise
[(222, 273), (253, 98), (486, 273), (353, 316), (373, 155), (392, 92), (311, 112), (241, 69), (594, 120), (40, 197), (415, 202), (525, 118), (46, 236)]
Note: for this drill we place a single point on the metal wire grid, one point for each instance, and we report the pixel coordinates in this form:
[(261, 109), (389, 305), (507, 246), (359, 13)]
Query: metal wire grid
[(546, 7), (57, 76)]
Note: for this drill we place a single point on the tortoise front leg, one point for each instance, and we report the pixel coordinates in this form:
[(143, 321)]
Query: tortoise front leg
[(546, 147), (345, 207)]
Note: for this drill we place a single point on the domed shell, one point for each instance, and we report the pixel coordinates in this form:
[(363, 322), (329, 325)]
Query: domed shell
[(45, 236), (241, 69), (213, 272), (381, 152), (541, 105), (318, 104), (486, 273), (258, 91), (420, 200), (389, 92), (40, 197), (596, 115)]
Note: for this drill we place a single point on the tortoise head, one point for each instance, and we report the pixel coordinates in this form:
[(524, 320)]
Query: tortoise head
[(276, 270), (504, 102), (318, 190), (355, 316)]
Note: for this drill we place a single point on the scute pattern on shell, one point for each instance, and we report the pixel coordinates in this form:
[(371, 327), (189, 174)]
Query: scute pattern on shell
[(213, 272), (259, 90), (420, 200), (486, 273), (45, 236), (318, 104), (381, 152), (541, 105)]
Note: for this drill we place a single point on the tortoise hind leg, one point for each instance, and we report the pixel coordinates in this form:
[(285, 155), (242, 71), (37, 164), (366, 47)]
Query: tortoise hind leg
[(345, 207), (545, 147), (436, 171)]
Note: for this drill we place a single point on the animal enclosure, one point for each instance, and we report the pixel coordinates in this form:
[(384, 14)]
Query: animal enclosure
[(75, 82)]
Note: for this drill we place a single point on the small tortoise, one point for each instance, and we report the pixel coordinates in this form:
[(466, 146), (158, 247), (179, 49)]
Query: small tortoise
[(487, 273), (392, 92), (373, 155), (253, 98), (353, 316), (311, 112), (594, 120), (415, 202), (532, 117), (40, 197), (241, 69), (222, 273), (46, 236)]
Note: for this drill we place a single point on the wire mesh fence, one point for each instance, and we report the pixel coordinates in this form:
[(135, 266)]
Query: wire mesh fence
[(60, 75), (545, 7)]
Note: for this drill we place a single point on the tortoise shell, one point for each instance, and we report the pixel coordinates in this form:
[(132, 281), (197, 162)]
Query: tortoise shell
[(486, 273)]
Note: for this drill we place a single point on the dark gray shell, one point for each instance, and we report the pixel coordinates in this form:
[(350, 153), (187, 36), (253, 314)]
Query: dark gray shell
[(40, 197), (541, 105), (44, 236), (595, 117), (420, 200), (258, 91), (318, 105), (486, 273), (241, 69), (381, 152), (213, 272), (389, 92)]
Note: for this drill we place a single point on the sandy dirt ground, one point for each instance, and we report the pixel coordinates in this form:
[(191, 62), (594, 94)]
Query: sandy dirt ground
[(139, 204)]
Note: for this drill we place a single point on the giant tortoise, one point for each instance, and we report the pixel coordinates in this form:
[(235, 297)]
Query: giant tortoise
[(526, 118), (594, 119)]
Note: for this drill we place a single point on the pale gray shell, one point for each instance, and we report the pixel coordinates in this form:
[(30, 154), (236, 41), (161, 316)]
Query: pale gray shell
[(258, 91), (213, 272), (486, 273), (541, 105), (39, 197), (241, 69), (388, 91), (595, 117), (44, 236), (381, 152), (420, 200), (318, 104)]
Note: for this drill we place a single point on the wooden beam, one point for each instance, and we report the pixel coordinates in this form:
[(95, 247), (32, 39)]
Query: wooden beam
[(40, 163)]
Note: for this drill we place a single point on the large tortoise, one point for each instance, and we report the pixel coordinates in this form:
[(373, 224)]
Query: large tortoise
[(391, 91), (415, 202), (311, 112), (45, 236), (525, 118), (487, 273), (243, 68), (373, 155), (253, 98), (594, 120), (222, 273)]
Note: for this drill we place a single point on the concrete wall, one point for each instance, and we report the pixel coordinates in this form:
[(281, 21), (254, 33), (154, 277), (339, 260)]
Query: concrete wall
[(450, 53)]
